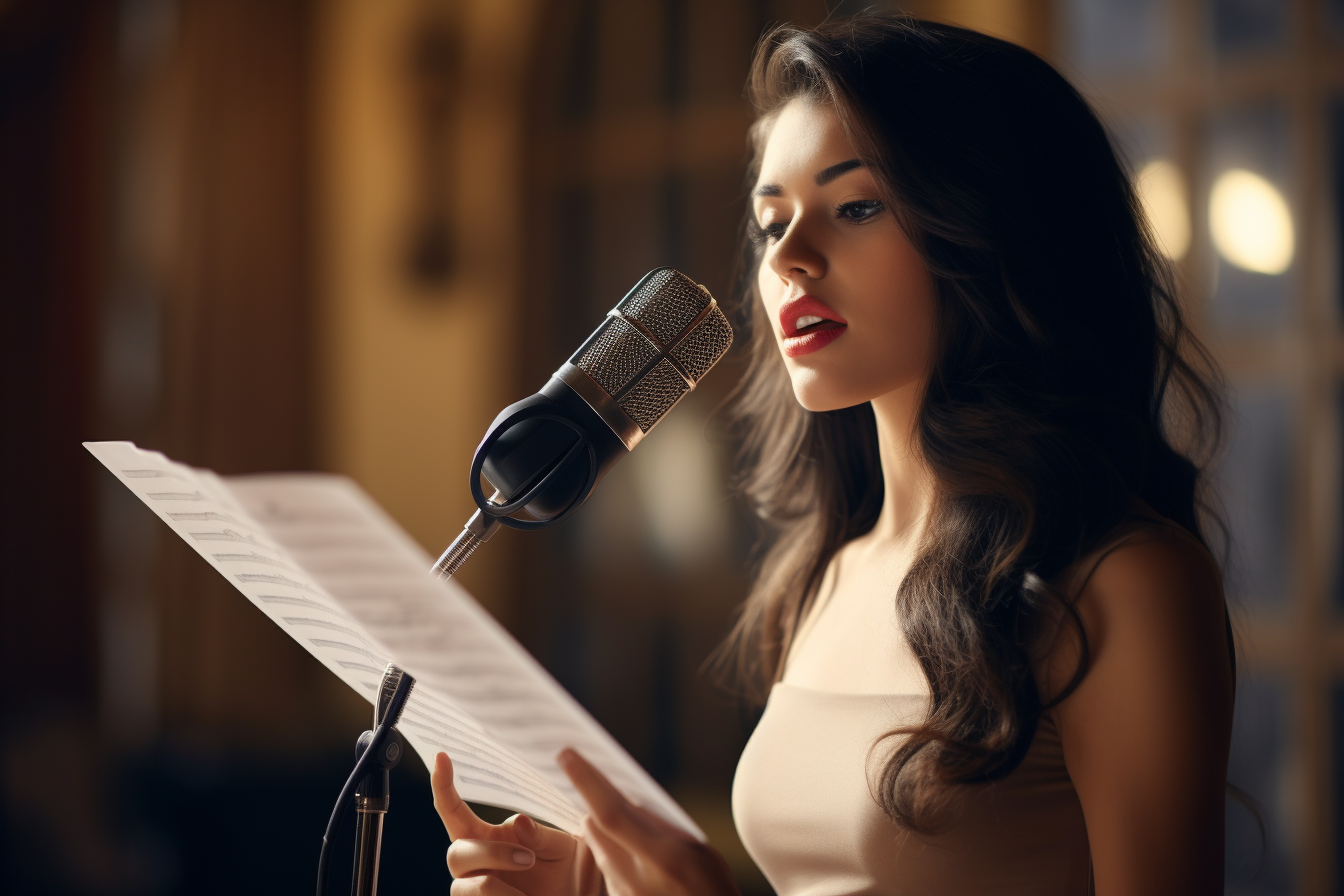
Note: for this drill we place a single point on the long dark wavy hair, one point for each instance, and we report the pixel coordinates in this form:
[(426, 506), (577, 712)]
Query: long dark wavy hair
[(1065, 384)]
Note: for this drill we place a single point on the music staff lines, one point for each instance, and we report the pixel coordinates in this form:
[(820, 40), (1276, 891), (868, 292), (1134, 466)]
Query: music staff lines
[(379, 658), (253, 557), (293, 601), (248, 578), (330, 626)]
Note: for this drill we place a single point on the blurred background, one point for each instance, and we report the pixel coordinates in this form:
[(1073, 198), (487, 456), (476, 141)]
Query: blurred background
[(342, 234)]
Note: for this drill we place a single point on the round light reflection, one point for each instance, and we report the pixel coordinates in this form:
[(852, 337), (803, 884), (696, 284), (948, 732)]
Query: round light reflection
[(1161, 189), (1250, 223)]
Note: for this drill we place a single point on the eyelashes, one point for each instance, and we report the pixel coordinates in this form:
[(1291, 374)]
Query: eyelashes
[(759, 235), (858, 211)]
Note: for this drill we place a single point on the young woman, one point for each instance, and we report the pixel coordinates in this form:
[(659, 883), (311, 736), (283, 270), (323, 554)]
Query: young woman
[(994, 645)]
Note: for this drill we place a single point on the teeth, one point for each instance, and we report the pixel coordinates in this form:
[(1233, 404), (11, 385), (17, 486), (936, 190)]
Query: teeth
[(807, 320)]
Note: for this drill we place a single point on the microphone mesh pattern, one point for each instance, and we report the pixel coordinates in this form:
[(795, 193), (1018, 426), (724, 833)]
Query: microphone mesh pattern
[(652, 349), (665, 303), (654, 395), (617, 355), (705, 345)]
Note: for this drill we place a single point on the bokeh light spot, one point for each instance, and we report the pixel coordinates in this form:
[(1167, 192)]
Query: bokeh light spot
[(1250, 223), (1161, 188)]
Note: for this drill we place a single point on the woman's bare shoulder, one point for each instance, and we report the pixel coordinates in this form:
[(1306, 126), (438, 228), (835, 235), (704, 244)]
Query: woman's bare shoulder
[(1158, 573), (1145, 732), (1151, 593)]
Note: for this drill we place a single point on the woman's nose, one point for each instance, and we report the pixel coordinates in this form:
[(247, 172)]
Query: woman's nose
[(796, 254)]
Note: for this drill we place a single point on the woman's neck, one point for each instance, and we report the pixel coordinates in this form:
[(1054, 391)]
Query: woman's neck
[(906, 480)]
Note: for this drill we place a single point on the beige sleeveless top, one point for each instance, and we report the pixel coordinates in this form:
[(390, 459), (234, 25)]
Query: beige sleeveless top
[(803, 804), (805, 811)]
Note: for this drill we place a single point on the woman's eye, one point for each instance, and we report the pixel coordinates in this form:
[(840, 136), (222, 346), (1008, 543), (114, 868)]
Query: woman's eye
[(859, 209), (769, 232)]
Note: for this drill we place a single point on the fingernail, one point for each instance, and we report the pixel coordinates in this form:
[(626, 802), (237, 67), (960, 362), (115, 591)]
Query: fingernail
[(522, 857)]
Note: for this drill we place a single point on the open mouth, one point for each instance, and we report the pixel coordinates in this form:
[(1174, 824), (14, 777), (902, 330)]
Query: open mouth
[(808, 325), (811, 323)]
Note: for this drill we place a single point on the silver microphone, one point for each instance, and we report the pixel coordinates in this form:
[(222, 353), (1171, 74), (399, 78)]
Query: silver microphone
[(543, 456)]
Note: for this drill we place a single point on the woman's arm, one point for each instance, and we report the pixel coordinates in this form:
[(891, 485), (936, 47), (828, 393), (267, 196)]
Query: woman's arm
[(1146, 733)]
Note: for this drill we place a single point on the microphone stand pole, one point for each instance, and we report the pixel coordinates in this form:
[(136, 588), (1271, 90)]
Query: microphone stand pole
[(376, 753), (372, 799)]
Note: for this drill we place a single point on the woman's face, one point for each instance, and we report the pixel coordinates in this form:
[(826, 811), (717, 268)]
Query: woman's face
[(849, 299)]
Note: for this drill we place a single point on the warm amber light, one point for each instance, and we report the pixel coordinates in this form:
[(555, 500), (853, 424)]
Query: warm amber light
[(1161, 188), (1250, 222)]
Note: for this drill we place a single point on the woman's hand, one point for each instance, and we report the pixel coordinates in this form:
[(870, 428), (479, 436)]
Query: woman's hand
[(516, 858), (638, 853)]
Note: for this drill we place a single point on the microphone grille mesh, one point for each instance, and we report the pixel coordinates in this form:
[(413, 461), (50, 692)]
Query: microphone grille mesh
[(654, 395), (705, 345), (641, 373), (619, 352), (665, 303)]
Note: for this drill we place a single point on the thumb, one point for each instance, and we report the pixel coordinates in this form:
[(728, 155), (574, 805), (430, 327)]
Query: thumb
[(457, 816)]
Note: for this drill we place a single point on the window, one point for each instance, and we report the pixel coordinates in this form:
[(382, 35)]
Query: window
[(1233, 111)]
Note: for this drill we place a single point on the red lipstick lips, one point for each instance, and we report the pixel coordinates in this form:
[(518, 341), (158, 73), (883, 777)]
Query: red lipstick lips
[(813, 335)]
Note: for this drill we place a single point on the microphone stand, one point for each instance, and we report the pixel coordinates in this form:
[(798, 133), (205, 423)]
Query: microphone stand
[(377, 752), (372, 798)]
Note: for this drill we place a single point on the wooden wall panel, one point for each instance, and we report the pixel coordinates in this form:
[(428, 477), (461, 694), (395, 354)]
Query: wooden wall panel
[(237, 345), (53, 86)]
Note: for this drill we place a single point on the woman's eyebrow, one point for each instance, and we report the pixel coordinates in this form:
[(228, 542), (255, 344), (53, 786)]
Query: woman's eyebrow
[(827, 175), (824, 177)]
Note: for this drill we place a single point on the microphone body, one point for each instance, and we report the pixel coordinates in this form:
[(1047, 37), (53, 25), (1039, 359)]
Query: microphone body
[(544, 455)]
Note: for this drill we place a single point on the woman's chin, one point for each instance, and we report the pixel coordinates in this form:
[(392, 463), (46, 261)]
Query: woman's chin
[(815, 394)]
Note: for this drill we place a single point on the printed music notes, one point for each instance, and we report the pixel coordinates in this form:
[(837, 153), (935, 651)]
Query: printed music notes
[(323, 562)]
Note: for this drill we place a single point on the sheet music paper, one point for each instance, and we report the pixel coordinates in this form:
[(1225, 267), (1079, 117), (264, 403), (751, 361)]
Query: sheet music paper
[(327, 565)]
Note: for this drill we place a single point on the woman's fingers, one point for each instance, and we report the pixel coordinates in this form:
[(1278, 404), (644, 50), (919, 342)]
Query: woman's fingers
[(623, 821), (547, 843), (457, 816), (638, 852), (469, 857), (607, 804), (618, 867), (483, 886)]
